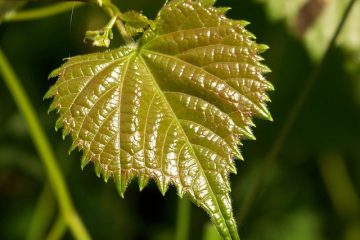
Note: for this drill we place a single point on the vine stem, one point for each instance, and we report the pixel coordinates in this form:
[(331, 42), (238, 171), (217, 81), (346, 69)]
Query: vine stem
[(44, 149), (64, 5), (58, 229), (41, 12), (289, 122), (183, 219), (43, 214), (338, 184)]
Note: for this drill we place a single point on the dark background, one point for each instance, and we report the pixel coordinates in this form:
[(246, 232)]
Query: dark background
[(310, 191)]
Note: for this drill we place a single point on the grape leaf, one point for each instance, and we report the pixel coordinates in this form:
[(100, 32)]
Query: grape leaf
[(171, 107)]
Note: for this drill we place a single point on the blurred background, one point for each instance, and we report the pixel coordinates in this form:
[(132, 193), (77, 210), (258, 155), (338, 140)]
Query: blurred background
[(309, 191)]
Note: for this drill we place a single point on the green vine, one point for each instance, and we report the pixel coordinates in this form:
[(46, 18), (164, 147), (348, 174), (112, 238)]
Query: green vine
[(44, 149), (183, 219), (42, 216), (41, 12)]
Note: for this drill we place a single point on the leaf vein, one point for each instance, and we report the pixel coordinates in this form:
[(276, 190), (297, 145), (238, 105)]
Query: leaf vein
[(215, 199)]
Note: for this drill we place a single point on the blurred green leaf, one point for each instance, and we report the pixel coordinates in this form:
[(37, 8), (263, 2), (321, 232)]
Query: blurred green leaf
[(328, 15), (299, 224), (8, 8)]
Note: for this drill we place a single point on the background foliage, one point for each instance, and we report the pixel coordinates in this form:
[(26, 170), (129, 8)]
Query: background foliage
[(310, 191)]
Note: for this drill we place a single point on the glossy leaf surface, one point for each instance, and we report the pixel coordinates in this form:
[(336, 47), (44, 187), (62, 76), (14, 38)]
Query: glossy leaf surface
[(171, 107)]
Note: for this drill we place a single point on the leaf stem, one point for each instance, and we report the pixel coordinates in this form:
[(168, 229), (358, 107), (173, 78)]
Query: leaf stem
[(183, 219), (42, 145), (290, 120), (41, 12), (339, 186)]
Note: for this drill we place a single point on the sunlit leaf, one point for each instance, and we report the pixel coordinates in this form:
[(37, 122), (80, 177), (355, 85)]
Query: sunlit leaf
[(171, 107), (322, 29)]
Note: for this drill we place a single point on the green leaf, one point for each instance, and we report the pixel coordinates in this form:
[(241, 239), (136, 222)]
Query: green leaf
[(135, 22), (171, 107)]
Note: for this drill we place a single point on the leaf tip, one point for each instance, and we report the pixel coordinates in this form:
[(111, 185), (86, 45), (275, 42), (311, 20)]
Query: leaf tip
[(250, 35), (232, 166), (143, 181), (262, 48), (270, 86), (97, 170), (163, 186), (248, 134), (106, 176), (122, 195), (265, 113), (84, 162), (52, 107), (121, 185), (180, 191), (244, 23), (207, 3), (239, 156), (265, 69), (48, 94), (223, 10), (72, 148), (58, 124), (66, 131), (54, 73)]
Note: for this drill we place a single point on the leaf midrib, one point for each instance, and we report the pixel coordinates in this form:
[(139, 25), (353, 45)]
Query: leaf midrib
[(187, 140), (126, 67)]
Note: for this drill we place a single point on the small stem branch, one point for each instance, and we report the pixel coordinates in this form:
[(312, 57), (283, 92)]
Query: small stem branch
[(41, 12), (113, 11), (183, 219), (44, 149), (58, 229), (289, 122)]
